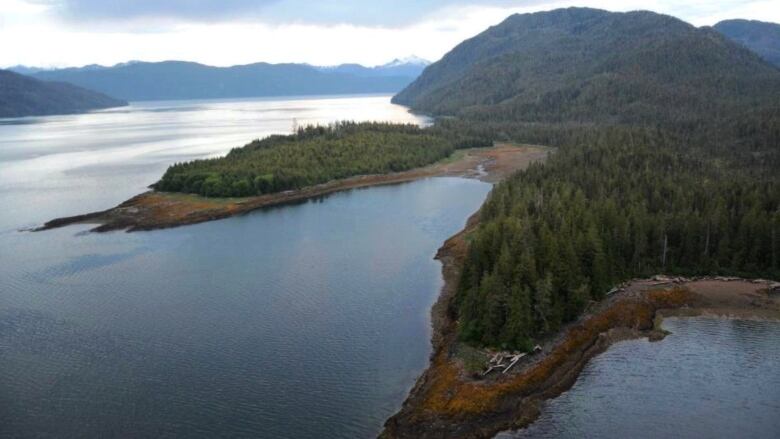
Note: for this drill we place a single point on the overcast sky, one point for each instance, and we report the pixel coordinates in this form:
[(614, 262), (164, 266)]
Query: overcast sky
[(59, 33)]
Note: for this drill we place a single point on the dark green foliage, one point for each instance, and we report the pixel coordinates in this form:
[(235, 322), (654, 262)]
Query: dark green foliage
[(621, 204), (758, 36), (668, 143), (24, 96), (589, 66), (312, 156)]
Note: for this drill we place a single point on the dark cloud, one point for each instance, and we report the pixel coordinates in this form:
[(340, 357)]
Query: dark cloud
[(371, 13)]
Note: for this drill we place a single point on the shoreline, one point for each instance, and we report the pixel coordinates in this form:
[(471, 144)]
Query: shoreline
[(153, 210), (446, 401)]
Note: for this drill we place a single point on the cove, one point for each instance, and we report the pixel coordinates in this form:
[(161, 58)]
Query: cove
[(307, 320), (310, 320), (711, 377)]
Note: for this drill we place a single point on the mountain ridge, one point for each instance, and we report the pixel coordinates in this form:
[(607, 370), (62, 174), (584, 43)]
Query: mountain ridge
[(411, 66), (22, 95), (587, 65), (165, 80), (758, 36)]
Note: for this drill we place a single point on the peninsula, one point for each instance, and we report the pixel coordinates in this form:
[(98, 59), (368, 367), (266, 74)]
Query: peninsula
[(455, 399), (315, 161), (659, 168)]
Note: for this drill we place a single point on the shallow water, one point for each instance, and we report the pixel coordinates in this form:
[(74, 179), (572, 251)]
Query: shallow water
[(711, 378), (307, 320)]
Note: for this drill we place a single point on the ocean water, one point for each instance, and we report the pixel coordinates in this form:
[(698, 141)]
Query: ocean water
[(301, 321), (66, 165), (710, 378)]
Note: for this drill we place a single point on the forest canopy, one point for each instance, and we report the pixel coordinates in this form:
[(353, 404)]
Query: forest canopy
[(668, 142), (313, 155), (607, 207)]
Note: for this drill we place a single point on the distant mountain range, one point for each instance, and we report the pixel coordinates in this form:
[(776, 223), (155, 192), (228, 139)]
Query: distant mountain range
[(22, 95), (758, 36), (138, 81), (24, 70), (489, 63), (407, 67)]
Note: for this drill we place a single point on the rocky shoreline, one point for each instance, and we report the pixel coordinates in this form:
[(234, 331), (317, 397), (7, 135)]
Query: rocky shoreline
[(449, 402), (158, 210)]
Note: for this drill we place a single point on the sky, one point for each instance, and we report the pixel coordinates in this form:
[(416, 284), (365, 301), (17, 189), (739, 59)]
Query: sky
[(63, 33)]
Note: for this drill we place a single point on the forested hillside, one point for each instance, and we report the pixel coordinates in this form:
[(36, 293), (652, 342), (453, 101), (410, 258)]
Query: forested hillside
[(311, 156), (606, 208), (24, 96), (591, 66), (668, 143), (758, 36)]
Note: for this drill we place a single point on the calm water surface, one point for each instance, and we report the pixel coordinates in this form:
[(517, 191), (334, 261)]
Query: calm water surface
[(299, 321), (67, 165), (308, 320), (711, 378)]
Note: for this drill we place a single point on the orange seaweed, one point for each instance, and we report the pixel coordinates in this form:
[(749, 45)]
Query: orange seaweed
[(452, 394)]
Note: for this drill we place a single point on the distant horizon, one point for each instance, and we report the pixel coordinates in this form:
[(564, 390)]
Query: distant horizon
[(405, 60), (56, 34)]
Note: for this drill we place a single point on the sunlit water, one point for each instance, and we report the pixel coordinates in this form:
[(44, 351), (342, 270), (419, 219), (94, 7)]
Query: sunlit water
[(302, 321), (711, 378), (65, 165)]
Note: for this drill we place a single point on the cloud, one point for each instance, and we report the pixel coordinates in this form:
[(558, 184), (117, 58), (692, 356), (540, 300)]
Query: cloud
[(59, 33), (381, 13), (131, 9)]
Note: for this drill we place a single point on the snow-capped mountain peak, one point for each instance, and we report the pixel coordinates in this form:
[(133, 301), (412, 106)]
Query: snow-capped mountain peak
[(409, 60)]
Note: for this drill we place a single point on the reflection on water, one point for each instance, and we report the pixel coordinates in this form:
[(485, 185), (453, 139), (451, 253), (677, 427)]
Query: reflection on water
[(57, 166), (711, 378), (298, 321), (301, 321)]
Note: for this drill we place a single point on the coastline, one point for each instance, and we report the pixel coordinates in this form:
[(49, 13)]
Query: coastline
[(447, 402), (158, 210)]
